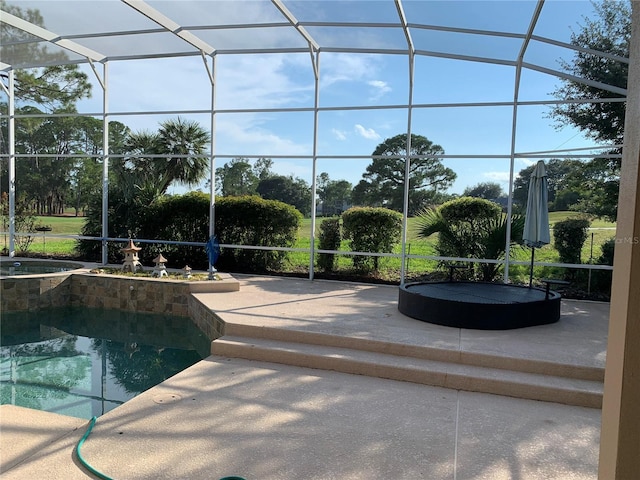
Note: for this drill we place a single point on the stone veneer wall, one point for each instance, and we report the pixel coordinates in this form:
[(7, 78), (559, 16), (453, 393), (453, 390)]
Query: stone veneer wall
[(34, 293), (151, 295), (206, 320)]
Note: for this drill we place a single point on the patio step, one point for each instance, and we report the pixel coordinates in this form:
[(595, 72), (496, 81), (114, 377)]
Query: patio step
[(447, 373), (448, 355)]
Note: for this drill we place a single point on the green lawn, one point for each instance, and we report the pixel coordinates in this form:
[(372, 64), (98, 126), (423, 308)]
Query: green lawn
[(45, 244), (595, 223), (63, 225)]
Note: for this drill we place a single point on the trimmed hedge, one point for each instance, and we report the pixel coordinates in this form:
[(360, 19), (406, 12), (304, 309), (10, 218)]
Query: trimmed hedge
[(568, 238), (469, 210), (370, 229), (329, 239), (251, 220), (180, 218), (248, 220)]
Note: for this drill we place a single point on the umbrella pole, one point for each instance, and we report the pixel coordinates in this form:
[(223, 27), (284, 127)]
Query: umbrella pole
[(531, 269)]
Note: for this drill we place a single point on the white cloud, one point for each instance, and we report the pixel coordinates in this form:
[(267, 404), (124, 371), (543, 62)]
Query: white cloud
[(497, 176), (248, 139), (527, 162), (296, 169), (345, 67), (261, 82), (368, 133), (379, 88), (339, 134)]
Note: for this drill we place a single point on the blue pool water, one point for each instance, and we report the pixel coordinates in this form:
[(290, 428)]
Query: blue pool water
[(10, 267), (85, 362)]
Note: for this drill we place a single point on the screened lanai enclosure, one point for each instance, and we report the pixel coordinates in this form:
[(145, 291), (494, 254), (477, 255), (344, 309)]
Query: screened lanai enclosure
[(307, 90)]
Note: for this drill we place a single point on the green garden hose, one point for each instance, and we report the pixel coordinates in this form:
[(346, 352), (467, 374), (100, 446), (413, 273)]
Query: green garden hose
[(84, 463), (101, 475)]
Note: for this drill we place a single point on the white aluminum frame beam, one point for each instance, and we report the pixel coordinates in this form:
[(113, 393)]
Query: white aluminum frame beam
[(51, 37), (11, 141), (296, 24), (105, 160), (514, 125), (168, 24), (407, 159), (314, 52)]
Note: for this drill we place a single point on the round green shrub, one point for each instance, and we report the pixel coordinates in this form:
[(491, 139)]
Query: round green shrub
[(329, 239), (251, 220), (569, 236), (371, 229)]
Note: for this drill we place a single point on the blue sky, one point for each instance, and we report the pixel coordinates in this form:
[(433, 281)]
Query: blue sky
[(286, 81)]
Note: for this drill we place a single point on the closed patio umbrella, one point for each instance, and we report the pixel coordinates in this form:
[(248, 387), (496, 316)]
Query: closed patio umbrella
[(536, 222)]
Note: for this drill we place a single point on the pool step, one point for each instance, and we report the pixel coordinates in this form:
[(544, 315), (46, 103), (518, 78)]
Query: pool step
[(443, 373)]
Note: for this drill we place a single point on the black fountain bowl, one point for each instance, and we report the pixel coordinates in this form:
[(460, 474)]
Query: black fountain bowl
[(478, 305)]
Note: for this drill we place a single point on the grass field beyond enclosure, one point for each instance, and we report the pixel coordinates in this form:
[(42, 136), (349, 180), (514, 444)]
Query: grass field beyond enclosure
[(44, 243), (600, 231)]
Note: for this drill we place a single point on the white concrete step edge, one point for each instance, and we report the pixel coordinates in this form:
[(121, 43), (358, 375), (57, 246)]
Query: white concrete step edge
[(419, 351), (444, 374)]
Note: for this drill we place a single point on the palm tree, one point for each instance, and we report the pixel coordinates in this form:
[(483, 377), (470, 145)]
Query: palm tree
[(174, 154), (495, 245), (185, 141), (471, 228)]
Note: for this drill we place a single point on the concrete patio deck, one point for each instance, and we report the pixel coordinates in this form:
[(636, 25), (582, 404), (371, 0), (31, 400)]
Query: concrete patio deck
[(235, 413)]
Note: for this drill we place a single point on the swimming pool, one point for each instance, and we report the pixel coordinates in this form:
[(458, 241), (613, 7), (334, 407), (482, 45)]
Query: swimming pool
[(85, 362), (10, 267)]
